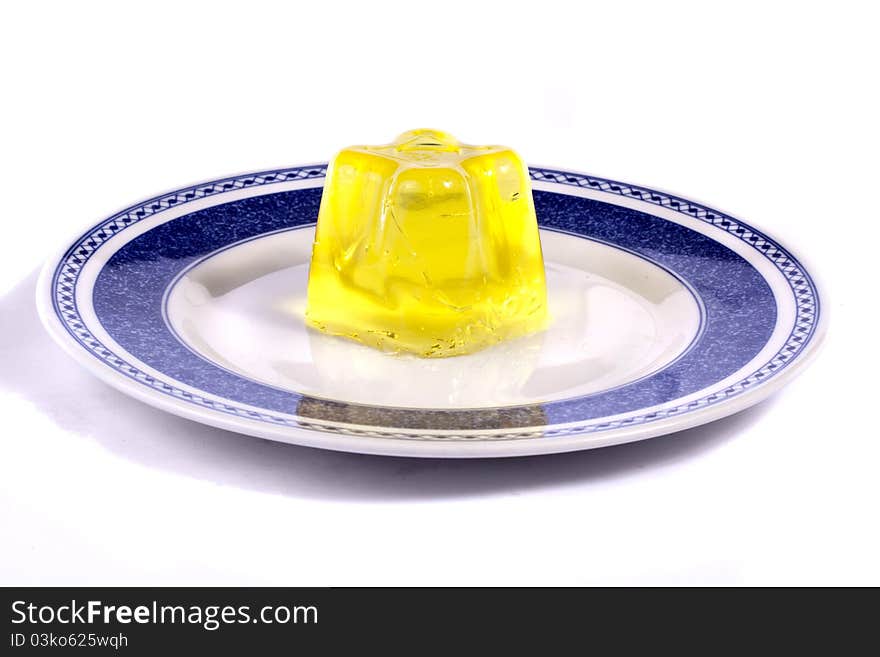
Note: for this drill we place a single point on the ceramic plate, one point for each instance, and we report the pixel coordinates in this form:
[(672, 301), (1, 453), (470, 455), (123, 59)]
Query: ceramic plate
[(666, 314)]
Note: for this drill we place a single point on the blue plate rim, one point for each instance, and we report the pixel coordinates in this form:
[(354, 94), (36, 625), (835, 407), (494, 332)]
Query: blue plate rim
[(806, 332)]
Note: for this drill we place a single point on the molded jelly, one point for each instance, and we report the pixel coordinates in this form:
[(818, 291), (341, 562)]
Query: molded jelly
[(427, 246)]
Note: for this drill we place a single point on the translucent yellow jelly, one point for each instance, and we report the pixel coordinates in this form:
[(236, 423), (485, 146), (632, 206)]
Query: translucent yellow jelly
[(427, 246)]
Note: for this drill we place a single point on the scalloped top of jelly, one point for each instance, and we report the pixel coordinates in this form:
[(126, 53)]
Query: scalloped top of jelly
[(428, 147)]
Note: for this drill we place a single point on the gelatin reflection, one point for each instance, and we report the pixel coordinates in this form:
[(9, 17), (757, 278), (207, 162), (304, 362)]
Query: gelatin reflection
[(499, 373)]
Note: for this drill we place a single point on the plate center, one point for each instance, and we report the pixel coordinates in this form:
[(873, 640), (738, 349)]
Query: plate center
[(616, 318)]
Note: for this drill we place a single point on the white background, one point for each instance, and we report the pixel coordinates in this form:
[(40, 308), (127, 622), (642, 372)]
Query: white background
[(766, 110)]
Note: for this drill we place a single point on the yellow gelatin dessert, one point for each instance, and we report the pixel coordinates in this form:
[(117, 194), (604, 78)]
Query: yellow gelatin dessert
[(427, 246)]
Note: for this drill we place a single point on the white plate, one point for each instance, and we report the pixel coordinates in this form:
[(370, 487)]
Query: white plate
[(666, 314)]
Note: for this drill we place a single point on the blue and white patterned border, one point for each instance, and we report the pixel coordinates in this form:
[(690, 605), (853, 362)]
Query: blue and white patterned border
[(67, 272)]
